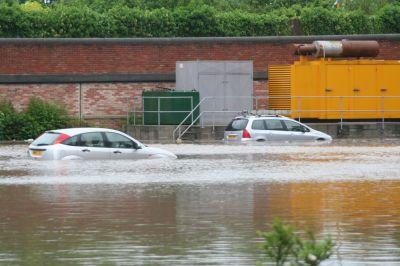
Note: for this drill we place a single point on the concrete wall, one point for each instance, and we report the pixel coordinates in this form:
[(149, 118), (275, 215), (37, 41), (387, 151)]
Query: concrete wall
[(164, 134)]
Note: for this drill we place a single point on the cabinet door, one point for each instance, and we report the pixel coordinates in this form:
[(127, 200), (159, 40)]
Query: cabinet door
[(337, 92), (388, 83), (364, 89), (212, 87)]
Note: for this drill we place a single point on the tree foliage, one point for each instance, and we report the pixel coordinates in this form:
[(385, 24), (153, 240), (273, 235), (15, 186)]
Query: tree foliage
[(172, 18)]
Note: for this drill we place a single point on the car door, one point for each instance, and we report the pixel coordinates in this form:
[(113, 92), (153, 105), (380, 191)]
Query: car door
[(122, 147), (276, 130), (258, 130), (70, 147), (92, 146), (298, 132)]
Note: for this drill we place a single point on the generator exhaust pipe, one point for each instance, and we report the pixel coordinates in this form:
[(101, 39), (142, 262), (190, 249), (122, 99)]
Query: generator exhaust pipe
[(343, 48)]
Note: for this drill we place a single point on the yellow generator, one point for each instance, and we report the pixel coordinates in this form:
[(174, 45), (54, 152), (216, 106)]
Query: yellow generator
[(327, 88)]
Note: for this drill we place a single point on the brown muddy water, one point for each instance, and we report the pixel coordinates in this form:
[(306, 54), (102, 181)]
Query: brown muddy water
[(204, 208)]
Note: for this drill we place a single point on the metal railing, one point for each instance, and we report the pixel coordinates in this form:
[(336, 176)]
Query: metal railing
[(340, 107), (132, 112), (159, 111), (340, 101), (178, 128)]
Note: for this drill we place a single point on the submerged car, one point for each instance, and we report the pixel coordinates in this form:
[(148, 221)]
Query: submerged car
[(91, 143), (270, 128)]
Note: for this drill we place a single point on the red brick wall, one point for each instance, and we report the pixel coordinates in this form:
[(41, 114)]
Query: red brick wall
[(98, 99), (63, 58), (105, 99), (111, 58), (260, 91), (66, 95)]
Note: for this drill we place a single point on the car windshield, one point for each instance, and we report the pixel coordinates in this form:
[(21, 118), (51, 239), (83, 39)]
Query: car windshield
[(47, 138), (237, 124)]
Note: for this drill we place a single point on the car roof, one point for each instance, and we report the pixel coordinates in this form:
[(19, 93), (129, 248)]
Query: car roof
[(261, 116), (80, 130)]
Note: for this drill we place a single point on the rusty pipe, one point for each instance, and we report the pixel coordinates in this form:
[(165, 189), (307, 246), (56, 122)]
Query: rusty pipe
[(304, 49), (344, 48), (360, 48)]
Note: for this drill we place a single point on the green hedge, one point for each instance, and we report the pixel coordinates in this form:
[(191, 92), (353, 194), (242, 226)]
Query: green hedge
[(238, 23), (62, 20), (389, 17), (38, 117)]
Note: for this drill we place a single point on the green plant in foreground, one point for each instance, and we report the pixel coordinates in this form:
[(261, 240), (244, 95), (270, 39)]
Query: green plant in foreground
[(282, 245), (280, 242), (313, 252)]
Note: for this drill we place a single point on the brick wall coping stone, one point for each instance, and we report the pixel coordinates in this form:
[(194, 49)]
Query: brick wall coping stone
[(178, 40), (97, 78)]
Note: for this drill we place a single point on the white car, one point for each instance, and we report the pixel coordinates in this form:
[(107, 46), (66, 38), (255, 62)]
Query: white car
[(91, 143), (271, 128)]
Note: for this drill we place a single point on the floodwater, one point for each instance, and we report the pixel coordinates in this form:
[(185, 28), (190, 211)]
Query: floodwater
[(204, 208)]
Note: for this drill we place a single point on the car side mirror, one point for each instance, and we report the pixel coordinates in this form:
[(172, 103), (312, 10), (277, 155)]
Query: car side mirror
[(304, 129), (136, 146)]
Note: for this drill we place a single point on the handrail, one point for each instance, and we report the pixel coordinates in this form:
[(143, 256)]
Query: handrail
[(180, 134), (189, 126), (189, 115), (177, 134)]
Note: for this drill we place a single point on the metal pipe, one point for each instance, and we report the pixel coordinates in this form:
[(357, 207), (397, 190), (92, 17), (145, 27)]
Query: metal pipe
[(142, 111), (383, 111), (158, 111), (191, 106), (341, 112), (127, 113), (134, 111), (360, 48), (343, 48)]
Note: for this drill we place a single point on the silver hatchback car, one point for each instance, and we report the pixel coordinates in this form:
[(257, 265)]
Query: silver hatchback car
[(91, 143), (270, 128)]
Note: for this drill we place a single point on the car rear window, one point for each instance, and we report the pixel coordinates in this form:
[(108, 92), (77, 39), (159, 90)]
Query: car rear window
[(72, 141), (237, 124), (47, 138)]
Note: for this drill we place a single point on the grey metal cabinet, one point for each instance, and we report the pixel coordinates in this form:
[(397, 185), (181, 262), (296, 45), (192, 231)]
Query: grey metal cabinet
[(228, 86)]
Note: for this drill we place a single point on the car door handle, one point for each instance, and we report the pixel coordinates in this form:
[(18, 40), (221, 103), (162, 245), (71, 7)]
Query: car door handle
[(117, 152), (86, 150)]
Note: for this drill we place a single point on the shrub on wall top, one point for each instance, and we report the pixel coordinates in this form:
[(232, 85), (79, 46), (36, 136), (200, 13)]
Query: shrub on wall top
[(389, 17), (321, 21), (79, 18), (237, 23), (196, 21)]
